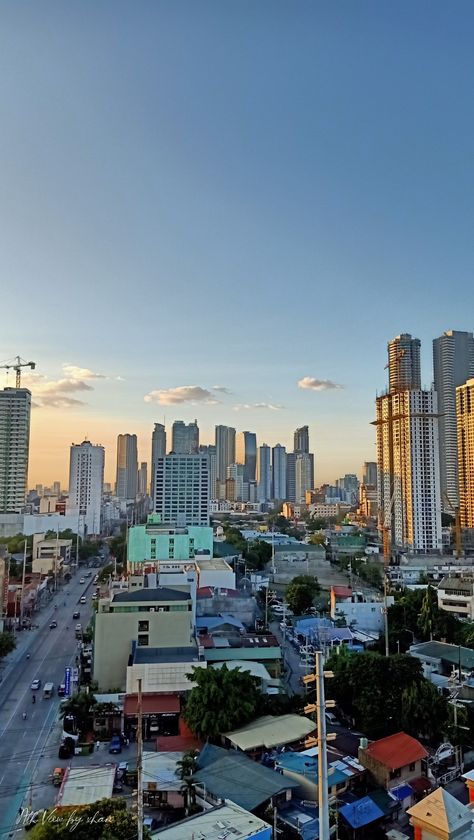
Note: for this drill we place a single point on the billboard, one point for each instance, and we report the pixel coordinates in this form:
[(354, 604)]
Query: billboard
[(67, 682)]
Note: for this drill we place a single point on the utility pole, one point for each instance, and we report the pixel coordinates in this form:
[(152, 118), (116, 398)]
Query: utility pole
[(321, 741), (385, 612), (139, 763), (23, 586)]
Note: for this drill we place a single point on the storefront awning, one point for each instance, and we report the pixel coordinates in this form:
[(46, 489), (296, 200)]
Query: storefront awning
[(152, 704)]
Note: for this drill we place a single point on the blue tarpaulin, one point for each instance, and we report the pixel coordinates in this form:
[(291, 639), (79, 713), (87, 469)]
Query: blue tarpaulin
[(402, 792), (360, 813)]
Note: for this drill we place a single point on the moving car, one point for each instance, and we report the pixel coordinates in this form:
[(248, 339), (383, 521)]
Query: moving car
[(35, 685), (76, 615), (115, 745), (82, 580), (61, 690), (48, 691), (53, 625), (83, 599)]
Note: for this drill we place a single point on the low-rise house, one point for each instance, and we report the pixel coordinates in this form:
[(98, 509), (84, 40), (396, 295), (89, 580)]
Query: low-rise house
[(161, 783), (231, 775), (441, 661), (302, 767), (270, 731), (440, 816), (50, 555), (163, 670), (218, 601), (394, 762), (456, 595), (227, 820), (254, 647), (160, 715), (84, 787)]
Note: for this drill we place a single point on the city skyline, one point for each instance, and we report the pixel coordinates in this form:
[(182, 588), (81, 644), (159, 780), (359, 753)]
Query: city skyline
[(283, 214)]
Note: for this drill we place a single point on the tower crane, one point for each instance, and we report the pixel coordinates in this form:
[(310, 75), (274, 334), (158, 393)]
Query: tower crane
[(457, 523), (17, 364)]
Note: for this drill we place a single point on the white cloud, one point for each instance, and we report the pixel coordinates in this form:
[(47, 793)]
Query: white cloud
[(310, 384), (268, 406), (74, 372), (180, 394), (221, 388), (55, 393)]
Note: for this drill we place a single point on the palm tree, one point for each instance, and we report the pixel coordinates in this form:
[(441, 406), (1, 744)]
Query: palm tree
[(187, 764), (188, 792), (80, 706)]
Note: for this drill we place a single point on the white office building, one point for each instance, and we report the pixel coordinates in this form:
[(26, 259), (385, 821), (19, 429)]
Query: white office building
[(304, 470), (264, 474), (279, 472), (453, 365), (86, 481), (182, 484), (15, 410)]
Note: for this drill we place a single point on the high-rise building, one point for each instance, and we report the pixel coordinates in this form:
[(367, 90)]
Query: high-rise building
[(225, 451), (143, 479), (279, 473), (127, 467), (185, 438), (158, 450), (210, 451), (236, 472), (453, 365), (56, 488), (369, 474), (264, 474), (301, 439), (465, 429), (303, 475), (246, 453), (409, 498), (182, 489), (290, 477), (15, 410), (404, 363), (86, 480)]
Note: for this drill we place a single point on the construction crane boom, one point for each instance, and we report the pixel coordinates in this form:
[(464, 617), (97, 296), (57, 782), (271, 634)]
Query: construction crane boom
[(17, 365)]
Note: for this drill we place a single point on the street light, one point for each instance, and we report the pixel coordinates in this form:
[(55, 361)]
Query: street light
[(405, 630)]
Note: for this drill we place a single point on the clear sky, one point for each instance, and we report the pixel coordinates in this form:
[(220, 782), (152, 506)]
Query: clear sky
[(242, 194)]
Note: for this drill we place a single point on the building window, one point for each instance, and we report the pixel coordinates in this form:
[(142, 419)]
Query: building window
[(143, 640), (411, 767), (143, 626)]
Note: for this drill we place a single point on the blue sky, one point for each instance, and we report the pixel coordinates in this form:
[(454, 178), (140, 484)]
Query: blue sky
[(240, 194)]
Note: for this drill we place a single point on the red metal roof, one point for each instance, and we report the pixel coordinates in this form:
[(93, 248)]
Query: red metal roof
[(152, 704), (342, 591), (178, 743), (397, 750)]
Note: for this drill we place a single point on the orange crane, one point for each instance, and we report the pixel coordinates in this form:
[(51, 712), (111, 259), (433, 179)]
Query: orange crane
[(457, 524), (19, 363)]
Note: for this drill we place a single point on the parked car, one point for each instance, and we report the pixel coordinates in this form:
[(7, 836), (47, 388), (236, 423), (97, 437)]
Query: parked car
[(53, 625), (83, 599), (76, 615), (115, 745), (61, 690), (35, 685), (121, 770)]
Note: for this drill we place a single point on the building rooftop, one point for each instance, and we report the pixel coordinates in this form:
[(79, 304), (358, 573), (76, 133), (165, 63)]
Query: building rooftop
[(238, 640), (223, 821), (256, 669), (161, 593), (212, 622), (81, 787), (457, 584), (160, 769), (445, 652), (342, 591), (396, 750), (152, 704), (205, 562), (224, 591), (229, 774), (270, 731), (155, 655), (442, 811)]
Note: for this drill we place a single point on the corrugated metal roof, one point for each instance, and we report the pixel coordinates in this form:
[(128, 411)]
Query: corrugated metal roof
[(85, 785), (270, 731)]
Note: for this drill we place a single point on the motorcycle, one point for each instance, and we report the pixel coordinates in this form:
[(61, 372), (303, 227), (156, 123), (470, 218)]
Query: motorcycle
[(24, 715)]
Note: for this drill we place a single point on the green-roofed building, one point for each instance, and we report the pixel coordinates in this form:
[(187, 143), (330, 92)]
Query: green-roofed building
[(164, 541)]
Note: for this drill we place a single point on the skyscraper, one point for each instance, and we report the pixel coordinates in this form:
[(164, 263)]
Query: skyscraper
[(210, 451), (235, 473), (225, 451), (127, 467), (182, 489), (185, 438), (290, 477), (158, 449), (279, 473), (264, 474), (369, 474), (143, 479), (465, 433), (303, 475), (301, 439), (86, 480), (408, 468), (15, 410), (404, 363), (246, 453), (453, 365)]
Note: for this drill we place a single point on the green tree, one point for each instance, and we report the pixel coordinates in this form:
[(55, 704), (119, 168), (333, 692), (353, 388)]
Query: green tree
[(429, 613), (424, 711), (81, 706), (188, 792), (301, 593), (7, 644), (220, 701), (108, 819), (186, 766)]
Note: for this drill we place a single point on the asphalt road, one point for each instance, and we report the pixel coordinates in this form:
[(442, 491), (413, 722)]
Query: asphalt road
[(22, 742)]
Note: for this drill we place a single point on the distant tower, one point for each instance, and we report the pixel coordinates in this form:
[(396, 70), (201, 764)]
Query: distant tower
[(185, 438), (246, 454), (465, 422), (264, 474), (158, 450), (279, 473), (225, 451), (127, 467), (143, 479), (301, 439), (15, 410), (404, 363), (86, 481)]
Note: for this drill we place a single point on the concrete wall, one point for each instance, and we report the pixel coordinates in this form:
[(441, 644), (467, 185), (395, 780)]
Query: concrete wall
[(114, 633), (382, 774)]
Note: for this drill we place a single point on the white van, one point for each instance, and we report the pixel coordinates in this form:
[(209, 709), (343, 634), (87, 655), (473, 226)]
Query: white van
[(48, 690)]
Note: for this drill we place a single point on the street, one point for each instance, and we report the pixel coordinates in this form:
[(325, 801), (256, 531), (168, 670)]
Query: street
[(23, 742)]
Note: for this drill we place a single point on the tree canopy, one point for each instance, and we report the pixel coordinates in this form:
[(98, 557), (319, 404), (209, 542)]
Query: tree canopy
[(301, 593), (221, 700), (108, 819), (7, 644), (80, 706)]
